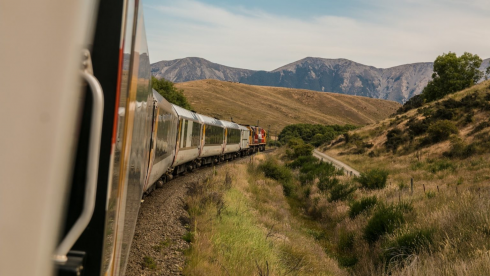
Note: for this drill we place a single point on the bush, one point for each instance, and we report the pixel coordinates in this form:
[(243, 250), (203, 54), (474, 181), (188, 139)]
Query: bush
[(460, 150), (303, 150), (341, 192), (278, 172), (373, 179), (357, 207), (412, 242), (170, 92), (417, 127), (394, 139), (441, 165), (302, 161), (314, 134), (385, 220), (327, 183), (414, 102), (441, 130)]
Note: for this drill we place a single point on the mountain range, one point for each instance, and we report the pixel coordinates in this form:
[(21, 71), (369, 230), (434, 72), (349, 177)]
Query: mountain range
[(343, 76)]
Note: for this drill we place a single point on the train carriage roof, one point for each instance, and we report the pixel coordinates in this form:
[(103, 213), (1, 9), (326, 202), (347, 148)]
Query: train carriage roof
[(210, 121), (230, 124), (243, 127), (186, 114)]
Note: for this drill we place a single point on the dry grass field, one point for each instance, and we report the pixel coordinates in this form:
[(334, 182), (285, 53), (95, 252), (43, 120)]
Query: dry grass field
[(279, 107), (448, 230)]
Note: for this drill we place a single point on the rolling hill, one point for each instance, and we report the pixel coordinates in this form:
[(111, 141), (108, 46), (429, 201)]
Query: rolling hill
[(343, 76), (279, 107)]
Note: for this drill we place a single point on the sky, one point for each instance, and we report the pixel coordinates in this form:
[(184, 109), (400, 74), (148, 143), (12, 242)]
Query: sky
[(267, 34)]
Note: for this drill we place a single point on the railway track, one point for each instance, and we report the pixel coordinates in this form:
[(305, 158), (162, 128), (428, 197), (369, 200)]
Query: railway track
[(162, 221)]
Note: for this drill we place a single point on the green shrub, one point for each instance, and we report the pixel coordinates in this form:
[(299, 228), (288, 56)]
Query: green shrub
[(327, 183), (373, 179), (395, 138), (188, 236), (460, 149), (441, 130), (414, 102), (149, 262), (170, 92), (357, 207), (441, 165), (347, 260), (407, 244), (384, 220), (303, 160), (341, 192), (274, 170), (417, 127), (346, 241), (444, 114), (302, 150)]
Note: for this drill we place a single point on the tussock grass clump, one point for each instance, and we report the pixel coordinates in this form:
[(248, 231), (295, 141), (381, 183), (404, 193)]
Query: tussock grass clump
[(357, 207), (373, 179), (385, 220), (406, 244)]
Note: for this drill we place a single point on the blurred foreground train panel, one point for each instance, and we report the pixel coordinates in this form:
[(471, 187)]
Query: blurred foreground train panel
[(75, 167)]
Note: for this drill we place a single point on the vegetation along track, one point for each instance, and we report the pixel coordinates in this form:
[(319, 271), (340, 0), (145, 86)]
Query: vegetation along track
[(158, 245)]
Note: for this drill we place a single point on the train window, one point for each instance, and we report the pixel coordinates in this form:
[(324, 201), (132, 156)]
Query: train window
[(196, 134), (183, 139), (233, 136), (164, 122), (214, 135)]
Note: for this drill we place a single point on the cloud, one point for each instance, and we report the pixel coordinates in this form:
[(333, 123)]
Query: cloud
[(386, 35)]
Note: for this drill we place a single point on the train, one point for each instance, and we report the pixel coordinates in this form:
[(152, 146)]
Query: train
[(182, 140), (86, 136)]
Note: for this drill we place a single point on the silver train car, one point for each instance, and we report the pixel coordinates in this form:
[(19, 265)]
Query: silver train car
[(94, 144)]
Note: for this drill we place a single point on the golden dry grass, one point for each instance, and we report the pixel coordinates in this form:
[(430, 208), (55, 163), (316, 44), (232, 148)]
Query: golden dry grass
[(279, 107), (451, 197)]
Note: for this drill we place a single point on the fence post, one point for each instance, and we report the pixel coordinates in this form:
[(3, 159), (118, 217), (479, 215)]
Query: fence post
[(424, 187), (411, 185)]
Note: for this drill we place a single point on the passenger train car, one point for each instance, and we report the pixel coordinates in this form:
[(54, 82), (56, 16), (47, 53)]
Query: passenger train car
[(89, 143)]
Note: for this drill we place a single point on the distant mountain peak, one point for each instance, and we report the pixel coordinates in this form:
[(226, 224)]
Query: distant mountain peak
[(196, 68), (339, 75)]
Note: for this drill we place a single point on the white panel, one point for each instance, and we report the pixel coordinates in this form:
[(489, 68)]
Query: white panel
[(38, 119)]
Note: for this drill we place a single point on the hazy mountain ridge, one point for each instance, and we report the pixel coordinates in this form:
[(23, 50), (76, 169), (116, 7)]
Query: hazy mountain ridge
[(343, 76), (193, 68)]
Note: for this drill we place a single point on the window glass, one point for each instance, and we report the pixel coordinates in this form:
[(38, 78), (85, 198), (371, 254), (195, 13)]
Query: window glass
[(214, 135), (196, 134), (164, 122), (233, 136)]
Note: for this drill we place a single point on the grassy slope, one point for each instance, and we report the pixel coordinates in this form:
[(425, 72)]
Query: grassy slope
[(279, 107), (451, 195), (244, 226)]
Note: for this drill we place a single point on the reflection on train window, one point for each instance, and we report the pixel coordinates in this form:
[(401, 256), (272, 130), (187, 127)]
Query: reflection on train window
[(233, 136), (190, 134), (163, 128), (196, 134), (214, 135)]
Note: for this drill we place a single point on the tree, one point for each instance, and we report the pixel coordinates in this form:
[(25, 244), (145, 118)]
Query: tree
[(452, 74), (170, 92)]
